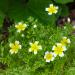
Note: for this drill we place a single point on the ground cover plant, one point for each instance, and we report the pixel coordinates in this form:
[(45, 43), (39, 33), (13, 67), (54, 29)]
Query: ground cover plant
[(37, 37)]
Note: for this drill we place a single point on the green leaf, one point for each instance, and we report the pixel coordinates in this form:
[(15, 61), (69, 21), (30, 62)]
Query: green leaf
[(64, 8), (63, 1)]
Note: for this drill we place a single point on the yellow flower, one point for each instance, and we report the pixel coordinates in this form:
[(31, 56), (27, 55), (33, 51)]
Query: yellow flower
[(14, 47), (20, 26), (35, 47), (52, 9), (59, 49), (49, 56), (65, 41)]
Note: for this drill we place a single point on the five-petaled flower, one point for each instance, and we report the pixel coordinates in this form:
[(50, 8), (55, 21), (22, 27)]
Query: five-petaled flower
[(35, 47), (52, 9), (20, 26), (59, 49), (65, 41), (14, 47), (49, 56)]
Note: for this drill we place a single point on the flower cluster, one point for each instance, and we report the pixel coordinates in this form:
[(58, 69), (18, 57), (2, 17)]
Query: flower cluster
[(58, 50)]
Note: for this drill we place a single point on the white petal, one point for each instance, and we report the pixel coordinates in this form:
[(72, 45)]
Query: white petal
[(53, 48), (46, 9), (16, 52), (10, 44), (25, 25), (30, 43), (51, 5), (64, 37), (55, 12), (18, 31), (47, 60), (15, 25), (54, 54), (20, 23), (35, 52), (57, 7), (40, 47), (16, 42), (68, 40), (36, 42), (30, 50), (20, 46), (46, 52), (49, 13), (45, 57), (52, 58), (59, 44), (11, 51), (64, 48), (61, 55)]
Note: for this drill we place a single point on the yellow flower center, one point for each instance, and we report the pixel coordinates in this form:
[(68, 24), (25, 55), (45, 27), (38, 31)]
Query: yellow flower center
[(21, 27), (34, 47), (64, 41), (52, 9), (15, 47), (49, 56), (58, 50)]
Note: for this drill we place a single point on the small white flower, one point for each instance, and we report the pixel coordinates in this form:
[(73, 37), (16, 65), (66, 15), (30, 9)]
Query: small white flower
[(52, 9), (65, 41), (22, 35), (20, 26), (49, 56), (59, 49), (14, 47), (35, 26), (64, 27), (35, 47), (68, 19)]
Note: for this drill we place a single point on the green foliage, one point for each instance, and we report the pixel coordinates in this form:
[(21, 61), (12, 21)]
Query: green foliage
[(27, 63), (46, 32), (64, 1)]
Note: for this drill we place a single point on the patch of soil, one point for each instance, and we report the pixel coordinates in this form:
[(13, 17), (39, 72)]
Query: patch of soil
[(3, 66), (7, 22), (68, 19)]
